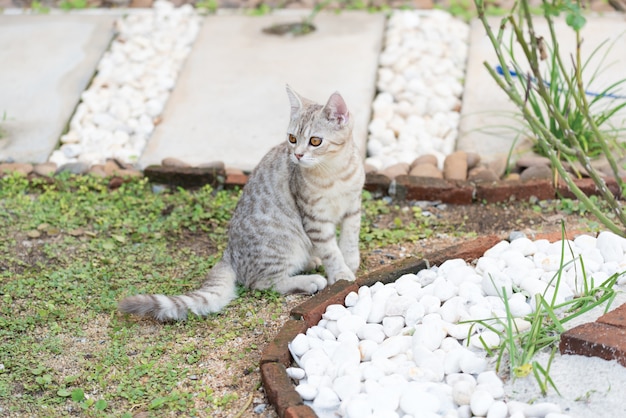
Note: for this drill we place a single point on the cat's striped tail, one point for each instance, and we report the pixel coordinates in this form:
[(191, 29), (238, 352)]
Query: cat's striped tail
[(216, 292)]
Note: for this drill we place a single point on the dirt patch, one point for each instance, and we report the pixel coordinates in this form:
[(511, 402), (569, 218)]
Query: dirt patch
[(456, 223)]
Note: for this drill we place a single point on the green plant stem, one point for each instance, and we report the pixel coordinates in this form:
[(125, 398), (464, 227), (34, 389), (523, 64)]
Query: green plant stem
[(582, 103), (550, 143)]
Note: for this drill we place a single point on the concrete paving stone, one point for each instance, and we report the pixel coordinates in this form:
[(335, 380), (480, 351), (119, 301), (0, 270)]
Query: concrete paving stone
[(46, 63), (487, 126), (230, 103)]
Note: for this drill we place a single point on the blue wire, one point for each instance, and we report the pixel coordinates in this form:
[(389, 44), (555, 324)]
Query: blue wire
[(500, 71)]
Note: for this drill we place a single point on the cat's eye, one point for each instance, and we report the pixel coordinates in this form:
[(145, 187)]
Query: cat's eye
[(292, 139), (315, 141)]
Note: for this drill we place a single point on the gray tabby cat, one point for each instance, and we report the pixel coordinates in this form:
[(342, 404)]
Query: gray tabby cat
[(286, 220)]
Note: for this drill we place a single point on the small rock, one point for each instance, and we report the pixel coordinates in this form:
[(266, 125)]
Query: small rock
[(480, 174), (541, 409), (128, 173), (610, 246), (426, 170), (21, 168), (260, 408), (299, 345), (173, 162), (45, 169), (532, 161), (498, 410), (350, 323), (512, 177), (455, 166), (425, 159), (536, 172), (473, 159), (498, 165), (33, 234), (462, 392), (358, 407), (480, 402), (296, 373), (306, 391), (98, 171), (326, 399), (396, 170), (74, 168), (335, 311)]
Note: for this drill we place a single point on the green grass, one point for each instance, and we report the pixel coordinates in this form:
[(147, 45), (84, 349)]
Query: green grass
[(72, 247)]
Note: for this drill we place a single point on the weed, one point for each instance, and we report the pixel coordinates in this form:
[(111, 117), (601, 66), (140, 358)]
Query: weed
[(39, 8), (547, 322), (74, 4), (412, 226), (207, 6)]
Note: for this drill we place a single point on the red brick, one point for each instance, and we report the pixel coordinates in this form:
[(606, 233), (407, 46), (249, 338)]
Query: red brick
[(187, 177), (377, 184), (595, 340), (277, 350), (504, 191), (616, 318), (587, 186), (279, 388), (300, 411), (235, 180), (433, 189)]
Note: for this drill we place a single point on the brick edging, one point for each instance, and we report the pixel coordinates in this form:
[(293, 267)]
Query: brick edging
[(403, 187)]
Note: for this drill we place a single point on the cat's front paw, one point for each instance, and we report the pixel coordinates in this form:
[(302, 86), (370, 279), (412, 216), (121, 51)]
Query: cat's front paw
[(315, 283), (342, 275)]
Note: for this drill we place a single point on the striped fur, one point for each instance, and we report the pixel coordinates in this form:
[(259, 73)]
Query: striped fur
[(287, 217)]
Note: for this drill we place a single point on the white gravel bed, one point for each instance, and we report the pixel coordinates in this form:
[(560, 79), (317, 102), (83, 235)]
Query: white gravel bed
[(416, 111), (122, 105), (420, 84), (403, 349)]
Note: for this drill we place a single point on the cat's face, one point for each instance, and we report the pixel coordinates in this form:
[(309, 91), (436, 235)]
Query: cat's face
[(316, 134)]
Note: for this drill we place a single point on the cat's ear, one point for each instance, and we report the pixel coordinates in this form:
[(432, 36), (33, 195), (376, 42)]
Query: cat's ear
[(294, 100), (336, 109)]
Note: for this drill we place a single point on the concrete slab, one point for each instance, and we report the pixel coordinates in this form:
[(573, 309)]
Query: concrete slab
[(487, 124), (47, 61), (229, 102)]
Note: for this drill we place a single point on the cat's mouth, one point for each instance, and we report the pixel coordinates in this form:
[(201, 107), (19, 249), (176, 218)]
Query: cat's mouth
[(303, 161)]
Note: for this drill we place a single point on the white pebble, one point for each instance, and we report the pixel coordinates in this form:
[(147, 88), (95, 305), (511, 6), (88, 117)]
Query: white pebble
[(480, 402), (541, 409), (498, 410), (296, 373), (306, 391), (326, 399), (299, 345)]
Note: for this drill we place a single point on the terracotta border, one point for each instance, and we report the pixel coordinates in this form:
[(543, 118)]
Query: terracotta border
[(404, 187)]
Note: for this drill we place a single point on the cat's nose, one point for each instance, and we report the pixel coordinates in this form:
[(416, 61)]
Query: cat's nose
[(298, 156)]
